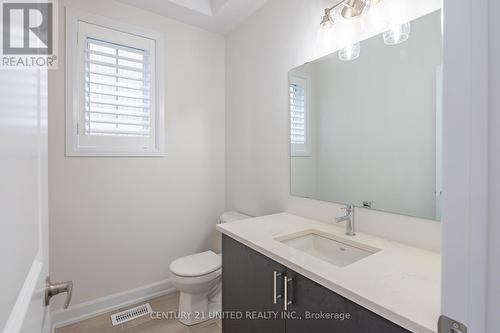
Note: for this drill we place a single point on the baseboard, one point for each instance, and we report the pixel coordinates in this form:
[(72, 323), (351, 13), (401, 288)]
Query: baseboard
[(109, 303)]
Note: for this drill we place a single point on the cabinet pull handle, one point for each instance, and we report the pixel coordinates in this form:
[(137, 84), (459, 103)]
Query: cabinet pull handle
[(286, 302), (275, 291)]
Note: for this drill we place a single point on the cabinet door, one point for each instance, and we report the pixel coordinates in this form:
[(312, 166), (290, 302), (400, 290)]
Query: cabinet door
[(247, 290), (312, 304)]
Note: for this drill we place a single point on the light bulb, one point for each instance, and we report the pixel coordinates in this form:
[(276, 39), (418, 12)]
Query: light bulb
[(350, 52), (397, 34)]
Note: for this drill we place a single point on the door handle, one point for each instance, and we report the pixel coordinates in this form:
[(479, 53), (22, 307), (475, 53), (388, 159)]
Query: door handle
[(53, 289), (286, 302), (275, 291)]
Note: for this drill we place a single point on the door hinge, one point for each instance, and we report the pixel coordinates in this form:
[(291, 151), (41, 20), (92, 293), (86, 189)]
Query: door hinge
[(448, 325)]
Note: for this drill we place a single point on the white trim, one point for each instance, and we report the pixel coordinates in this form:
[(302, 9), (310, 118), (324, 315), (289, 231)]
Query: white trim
[(16, 319), (73, 16), (110, 303), (465, 162), (439, 141)]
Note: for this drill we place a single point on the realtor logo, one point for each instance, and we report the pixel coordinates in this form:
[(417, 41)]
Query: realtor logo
[(27, 28), (28, 36)]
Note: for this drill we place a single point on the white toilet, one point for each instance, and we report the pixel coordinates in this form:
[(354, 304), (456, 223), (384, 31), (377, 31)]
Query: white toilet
[(198, 279)]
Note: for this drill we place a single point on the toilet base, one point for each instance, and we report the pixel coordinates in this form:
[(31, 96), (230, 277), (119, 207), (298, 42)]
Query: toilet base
[(197, 308)]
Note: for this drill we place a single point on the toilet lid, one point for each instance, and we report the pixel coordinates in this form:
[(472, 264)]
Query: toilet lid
[(196, 265)]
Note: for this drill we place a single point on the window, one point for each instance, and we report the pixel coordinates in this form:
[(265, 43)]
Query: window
[(113, 84), (299, 116), (117, 90)]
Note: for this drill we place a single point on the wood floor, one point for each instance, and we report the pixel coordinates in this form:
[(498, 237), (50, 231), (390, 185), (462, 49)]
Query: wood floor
[(166, 304)]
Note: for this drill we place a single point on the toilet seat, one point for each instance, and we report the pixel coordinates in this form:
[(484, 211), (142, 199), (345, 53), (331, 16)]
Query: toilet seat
[(196, 284), (196, 265)]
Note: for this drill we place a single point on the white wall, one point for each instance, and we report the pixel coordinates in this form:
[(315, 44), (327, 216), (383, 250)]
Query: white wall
[(376, 123), (117, 223), (493, 320), (303, 176), (259, 55)]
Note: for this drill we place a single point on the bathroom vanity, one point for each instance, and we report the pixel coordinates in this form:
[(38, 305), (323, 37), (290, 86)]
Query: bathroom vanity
[(284, 273)]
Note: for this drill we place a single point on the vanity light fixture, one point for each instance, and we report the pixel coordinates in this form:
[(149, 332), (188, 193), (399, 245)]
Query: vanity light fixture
[(327, 20), (350, 52), (397, 34), (351, 9)]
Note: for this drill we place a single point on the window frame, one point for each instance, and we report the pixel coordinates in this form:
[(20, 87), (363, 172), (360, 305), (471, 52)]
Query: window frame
[(75, 92), (301, 150)]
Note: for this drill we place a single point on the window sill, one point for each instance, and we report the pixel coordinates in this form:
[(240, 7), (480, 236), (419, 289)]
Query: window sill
[(114, 153)]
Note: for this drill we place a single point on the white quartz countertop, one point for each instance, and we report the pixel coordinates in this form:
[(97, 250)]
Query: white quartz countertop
[(400, 283)]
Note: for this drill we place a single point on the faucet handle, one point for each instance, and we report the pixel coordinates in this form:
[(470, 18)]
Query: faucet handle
[(348, 207), (368, 204)]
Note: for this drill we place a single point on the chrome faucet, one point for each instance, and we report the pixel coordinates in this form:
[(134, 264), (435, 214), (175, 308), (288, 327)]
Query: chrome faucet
[(349, 218)]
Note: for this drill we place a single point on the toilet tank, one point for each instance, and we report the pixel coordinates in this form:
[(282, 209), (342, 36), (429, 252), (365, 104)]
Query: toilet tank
[(232, 216), (226, 217)]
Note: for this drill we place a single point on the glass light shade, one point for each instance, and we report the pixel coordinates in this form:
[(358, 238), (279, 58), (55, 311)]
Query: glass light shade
[(397, 34), (326, 25), (373, 18), (350, 52), (325, 39)]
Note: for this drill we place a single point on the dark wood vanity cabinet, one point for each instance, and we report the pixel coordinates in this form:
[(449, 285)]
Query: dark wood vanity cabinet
[(247, 290), (248, 300), (310, 301)]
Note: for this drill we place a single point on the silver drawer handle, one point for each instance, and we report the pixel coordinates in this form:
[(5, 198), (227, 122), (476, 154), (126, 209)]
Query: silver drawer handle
[(275, 295), (286, 302)]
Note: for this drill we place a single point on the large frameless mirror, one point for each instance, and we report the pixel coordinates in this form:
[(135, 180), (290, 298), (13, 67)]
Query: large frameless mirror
[(365, 122)]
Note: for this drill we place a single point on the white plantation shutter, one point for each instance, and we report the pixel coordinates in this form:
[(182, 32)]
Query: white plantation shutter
[(297, 114), (117, 90)]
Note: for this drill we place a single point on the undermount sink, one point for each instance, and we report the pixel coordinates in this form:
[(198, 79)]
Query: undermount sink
[(329, 248)]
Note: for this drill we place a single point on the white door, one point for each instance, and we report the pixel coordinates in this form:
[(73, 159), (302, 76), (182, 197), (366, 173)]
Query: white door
[(465, 164), (23, 200)]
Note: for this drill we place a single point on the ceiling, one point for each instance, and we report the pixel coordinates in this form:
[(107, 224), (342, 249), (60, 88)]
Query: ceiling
[(220, 16)]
